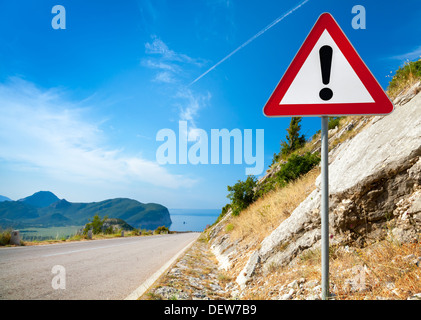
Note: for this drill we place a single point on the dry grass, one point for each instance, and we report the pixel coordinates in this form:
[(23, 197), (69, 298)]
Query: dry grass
[(390, 271), (385, 270), (402, 86), (264, 215)]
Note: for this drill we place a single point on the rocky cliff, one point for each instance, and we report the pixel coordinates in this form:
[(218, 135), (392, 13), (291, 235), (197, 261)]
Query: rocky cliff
[(375, 194)]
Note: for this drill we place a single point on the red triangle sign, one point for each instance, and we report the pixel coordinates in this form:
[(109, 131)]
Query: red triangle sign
[(327, 78)]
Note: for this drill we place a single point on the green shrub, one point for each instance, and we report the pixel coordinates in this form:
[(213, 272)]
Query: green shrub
[(5, 236), (146, 232), (225, 209), (109, 230), (269, 185), (161, 229), (296, 166), (95, 224), (334, 122), (242, 194), (229, 227)]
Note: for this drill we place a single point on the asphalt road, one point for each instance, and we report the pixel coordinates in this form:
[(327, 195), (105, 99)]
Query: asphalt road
[(94, 270)]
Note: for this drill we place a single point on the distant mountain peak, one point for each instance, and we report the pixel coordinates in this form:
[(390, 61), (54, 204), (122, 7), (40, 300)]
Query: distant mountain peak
[(3, 198), (61, 204), (44, 208), (41, 199)]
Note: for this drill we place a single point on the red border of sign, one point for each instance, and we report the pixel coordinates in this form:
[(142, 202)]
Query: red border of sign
[(381, 105)]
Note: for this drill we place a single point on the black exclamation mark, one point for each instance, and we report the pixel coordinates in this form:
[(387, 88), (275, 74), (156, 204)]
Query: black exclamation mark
[(326, 53)]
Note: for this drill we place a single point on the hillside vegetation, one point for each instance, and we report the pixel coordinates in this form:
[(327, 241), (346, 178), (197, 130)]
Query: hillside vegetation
[(271, 246), (265, 244), (405, 77), (298, 156)]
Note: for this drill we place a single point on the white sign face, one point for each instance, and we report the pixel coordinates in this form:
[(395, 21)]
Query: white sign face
[(344, 83)]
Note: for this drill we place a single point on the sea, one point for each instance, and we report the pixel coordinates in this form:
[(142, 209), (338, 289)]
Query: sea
[(192, 219)]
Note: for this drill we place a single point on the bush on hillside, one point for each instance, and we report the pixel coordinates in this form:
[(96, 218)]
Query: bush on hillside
[(242, 194), (296, 166), (404, 76), (225, 209), (334, 122)]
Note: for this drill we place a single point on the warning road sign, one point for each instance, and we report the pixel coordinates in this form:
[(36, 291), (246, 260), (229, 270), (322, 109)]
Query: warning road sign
[(327, 78)]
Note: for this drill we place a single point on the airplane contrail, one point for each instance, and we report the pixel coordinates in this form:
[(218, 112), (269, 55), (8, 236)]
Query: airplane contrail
[(275, 22)]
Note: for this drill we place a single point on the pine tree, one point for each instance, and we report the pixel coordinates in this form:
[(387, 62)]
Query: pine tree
[(293, 139)]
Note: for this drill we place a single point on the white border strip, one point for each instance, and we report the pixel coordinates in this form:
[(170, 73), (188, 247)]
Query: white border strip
[(136, 294)]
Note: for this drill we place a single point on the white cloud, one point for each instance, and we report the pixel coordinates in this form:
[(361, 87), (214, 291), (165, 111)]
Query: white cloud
[(172, 68), (39, 129), (191, 104), (159, 65), (165, 77), (172, 65), (158, 47)]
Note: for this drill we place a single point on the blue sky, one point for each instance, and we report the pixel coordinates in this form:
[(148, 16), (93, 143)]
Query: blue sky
[(80, 108)]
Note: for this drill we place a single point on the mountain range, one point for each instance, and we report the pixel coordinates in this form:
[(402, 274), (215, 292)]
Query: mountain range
[(45, 209), (3, 198)]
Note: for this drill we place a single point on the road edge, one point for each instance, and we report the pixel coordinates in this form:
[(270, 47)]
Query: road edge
[(137, 293)]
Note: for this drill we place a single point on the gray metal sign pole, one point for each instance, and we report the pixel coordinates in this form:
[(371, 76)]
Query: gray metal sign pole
[(325, 208)]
